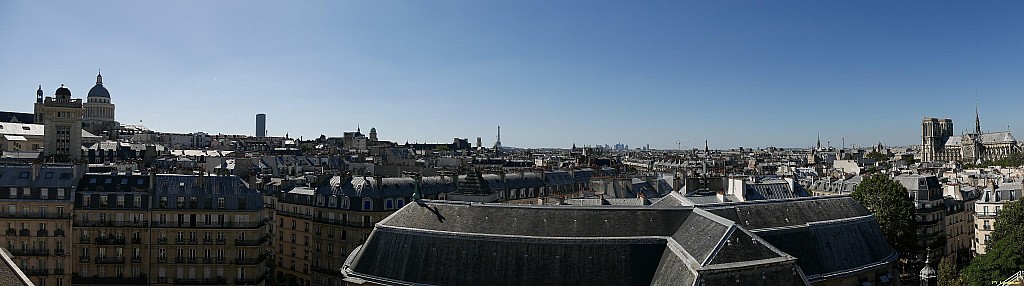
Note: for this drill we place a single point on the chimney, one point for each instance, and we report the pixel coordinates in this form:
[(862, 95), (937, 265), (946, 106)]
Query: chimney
[(152, 179), (199, 179), (720, 195), (455, 181), (36, 167)]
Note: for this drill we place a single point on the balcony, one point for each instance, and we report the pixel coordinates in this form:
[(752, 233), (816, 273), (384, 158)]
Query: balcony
[(33, 215), (237, 225), (109, 260), (141, 280), (111, 223), (221, 241), (201, 281), (42, 233), (84, 259), (251, 242), (58, 252), (110, 240), (30, 252), (193, 241), (252, 281), (161, 280), (58, 271), (162, 240), (12, 232), (207, 241), (179, 241), (161, 259), (251, 261), (137, 259), (84, 239), (295, 215), (58, 232), (136, 240), (339, 222), (24, 232), (209, 260), (37, 272)]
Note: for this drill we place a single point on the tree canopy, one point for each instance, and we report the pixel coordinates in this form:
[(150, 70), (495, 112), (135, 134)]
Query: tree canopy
[(1005, 253), (889, 201), (948, 273), (877, 156)]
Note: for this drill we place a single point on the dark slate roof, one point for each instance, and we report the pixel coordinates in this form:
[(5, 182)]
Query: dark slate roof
[(368, 187), (233, 189), (17, 117), (463, 244), (771, 189), (10, 274), (555, 178), (20, 175), (829, 236)]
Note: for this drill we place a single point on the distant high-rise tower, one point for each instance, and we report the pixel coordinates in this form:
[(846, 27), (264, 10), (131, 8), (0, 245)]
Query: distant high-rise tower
[(479, 142), (62, 131), (261, 125), (497, 144)]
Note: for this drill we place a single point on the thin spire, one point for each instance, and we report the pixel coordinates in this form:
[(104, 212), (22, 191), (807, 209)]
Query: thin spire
[(99, 77), (977, 120)]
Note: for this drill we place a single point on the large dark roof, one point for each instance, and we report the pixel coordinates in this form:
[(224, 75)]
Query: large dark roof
[(62, 91), (17, 117), (828, 235), (465, 244), (99, 91), (774, 242)]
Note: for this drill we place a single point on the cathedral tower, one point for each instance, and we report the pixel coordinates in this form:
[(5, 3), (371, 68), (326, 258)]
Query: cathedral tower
[(62, 117)]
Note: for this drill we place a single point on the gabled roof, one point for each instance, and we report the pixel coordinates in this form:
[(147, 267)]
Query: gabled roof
[(447, 243)]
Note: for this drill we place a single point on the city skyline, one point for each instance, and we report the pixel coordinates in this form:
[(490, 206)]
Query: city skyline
[(551, 74)]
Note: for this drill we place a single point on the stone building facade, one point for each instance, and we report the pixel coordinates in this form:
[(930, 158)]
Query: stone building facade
[(37, 207), (939, 144)]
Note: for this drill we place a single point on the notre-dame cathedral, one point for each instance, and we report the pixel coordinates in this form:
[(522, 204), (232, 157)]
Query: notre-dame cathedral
[(939, 144)]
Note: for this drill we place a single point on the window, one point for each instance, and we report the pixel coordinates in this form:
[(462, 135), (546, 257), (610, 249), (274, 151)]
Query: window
[(23, 175), (103, 201), (86, 201), (163, 202), (49, 175), (138, 201), (65, 176), (193, 202), (389, 204), (367, 204), (220, 203), (60, 194), (120, 201), (181, 202)]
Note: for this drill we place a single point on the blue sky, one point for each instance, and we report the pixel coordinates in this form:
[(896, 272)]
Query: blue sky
[(552, 73)]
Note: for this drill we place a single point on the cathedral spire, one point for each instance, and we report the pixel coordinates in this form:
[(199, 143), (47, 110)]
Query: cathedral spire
[(977, 121)]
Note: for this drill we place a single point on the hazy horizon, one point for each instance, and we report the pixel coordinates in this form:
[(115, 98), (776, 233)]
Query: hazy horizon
[(752, 74)]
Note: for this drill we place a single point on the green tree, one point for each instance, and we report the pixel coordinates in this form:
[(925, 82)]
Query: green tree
[(1005, 253), (889, 201), (948, 273), (877, 156)]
